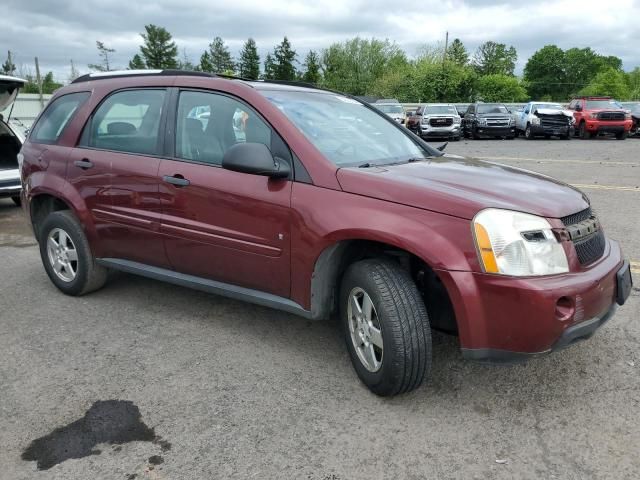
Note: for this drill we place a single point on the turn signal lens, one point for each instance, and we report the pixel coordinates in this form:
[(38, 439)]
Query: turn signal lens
[(486, 252)]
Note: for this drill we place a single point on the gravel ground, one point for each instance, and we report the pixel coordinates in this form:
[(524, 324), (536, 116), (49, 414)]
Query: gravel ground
[(150, 381)]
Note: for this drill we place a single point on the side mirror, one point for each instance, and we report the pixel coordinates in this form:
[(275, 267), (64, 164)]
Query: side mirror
[(443, 146), (255, 159), (578, 108)]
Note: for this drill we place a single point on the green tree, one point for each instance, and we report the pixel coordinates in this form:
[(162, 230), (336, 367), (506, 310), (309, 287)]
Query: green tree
[(633, 80), (354, 66), (545, 74), (137, 63), (311, 68), (158, 49), (495, 58), (185, 62), (500, 88), (217, 58), (583, 64), (269, 68), (249, 64), (284, 61), (457, 53), (103, 52), (610, 82), (8, 67), (49, 85)]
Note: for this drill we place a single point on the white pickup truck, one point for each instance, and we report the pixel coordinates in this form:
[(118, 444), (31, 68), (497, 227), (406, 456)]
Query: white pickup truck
[(544, 119)]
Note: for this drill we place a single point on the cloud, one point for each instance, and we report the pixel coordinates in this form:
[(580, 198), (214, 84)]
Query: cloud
[(67, 30)]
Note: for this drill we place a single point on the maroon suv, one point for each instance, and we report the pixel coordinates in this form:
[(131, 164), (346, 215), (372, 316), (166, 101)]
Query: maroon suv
[(312, 202)]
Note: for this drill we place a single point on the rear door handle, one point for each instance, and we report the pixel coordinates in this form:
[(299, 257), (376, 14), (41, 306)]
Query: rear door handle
[(84, 164), (177, 180)]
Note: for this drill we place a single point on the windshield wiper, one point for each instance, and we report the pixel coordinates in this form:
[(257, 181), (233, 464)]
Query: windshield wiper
[(364, 165)]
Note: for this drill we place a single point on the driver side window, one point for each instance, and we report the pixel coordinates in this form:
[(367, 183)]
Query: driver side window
[(208, 124)]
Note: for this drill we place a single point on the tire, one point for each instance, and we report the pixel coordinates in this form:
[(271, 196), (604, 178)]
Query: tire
[(517, 133), (584, 134), (565, 137), (456, 139), (61, 228), (511, 137), (622, 136), (17, 200), (528, 134), (474, 134), (400, 317)]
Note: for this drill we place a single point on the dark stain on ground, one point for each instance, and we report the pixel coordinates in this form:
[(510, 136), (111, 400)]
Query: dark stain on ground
[(109, 421), (156, 460)]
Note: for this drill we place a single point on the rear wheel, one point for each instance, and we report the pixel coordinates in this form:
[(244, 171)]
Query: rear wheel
[(66, 255), (17, 200), (584, 134), (386, 326)]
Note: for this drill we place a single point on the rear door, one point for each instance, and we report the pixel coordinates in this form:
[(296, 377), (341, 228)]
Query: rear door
[(218, 224), (117, 163)]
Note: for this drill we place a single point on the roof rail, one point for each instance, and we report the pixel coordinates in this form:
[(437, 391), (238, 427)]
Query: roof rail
[(127, 73)]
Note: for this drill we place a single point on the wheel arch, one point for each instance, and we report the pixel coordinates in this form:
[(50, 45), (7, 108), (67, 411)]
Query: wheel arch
[(334, 260)]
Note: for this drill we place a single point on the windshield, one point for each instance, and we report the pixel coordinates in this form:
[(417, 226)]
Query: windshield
[(347, 132), (439, 109), (597, 104), (489, 108), (555, 106), (390, 108)]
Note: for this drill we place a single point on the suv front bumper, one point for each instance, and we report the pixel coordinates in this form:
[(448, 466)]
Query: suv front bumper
[(491, 131), (10, 185), (508, 319), (451, 131)]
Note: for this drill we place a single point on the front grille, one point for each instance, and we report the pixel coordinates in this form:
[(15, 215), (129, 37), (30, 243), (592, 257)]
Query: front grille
[(615, 116), (498, 122), (591, 248), (578, 217), (441, 122)]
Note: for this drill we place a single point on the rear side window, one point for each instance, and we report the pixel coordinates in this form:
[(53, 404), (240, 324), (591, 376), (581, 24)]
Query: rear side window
[(56, 117), (127, 121)]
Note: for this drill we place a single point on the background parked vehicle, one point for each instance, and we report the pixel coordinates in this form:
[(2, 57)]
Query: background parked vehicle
[(439, 120), (635, 118), (544, 119), (488, 120), (11, 140), (600, 115), (392, 108)]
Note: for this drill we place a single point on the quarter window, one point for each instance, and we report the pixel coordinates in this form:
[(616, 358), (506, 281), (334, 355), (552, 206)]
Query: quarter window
[(56, 117), (128, 121), (208, 124)]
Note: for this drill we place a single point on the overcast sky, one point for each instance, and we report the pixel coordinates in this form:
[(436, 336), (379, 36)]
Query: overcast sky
[(67, 29)]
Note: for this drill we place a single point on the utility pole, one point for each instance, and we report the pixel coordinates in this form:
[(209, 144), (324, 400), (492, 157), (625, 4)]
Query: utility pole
[(10, 64), (39, 82), (446, 45)]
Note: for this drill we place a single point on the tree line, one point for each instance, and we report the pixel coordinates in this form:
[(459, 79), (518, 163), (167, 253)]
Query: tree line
[(375, 67)]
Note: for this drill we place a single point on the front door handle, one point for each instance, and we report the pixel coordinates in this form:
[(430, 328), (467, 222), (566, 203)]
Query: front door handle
[(177, 180), (84, 164)]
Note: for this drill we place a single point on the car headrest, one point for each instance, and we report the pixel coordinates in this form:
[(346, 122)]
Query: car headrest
[(121, 128)]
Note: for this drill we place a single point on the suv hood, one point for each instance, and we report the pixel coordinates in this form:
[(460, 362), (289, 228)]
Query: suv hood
[(553, 111), (9, 87), (462, 187)]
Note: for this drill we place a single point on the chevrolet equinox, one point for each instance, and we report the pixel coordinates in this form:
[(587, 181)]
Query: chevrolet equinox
[(315, 203)]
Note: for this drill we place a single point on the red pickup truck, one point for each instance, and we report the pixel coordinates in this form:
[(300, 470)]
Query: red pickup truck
[(600, 115)]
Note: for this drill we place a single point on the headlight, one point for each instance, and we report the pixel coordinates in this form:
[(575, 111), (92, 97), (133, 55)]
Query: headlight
[(535, 120), (627, 116), (482, 121), (593, 116), (518, 244), (457, 120), (425, 120)]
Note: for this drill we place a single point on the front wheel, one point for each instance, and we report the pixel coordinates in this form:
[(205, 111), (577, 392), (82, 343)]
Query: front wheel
[(17, 200), (528, 134), (622, 136), (386, 326), (584, 133)]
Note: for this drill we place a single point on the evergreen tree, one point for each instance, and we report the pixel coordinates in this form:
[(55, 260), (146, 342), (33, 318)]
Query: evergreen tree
[(103, 52), (185, 62), (249, 65), (457, 53), (217, 58), (284, 60), (158, 49), (137, 63), (8, 67), (269, 68), (311, 68)]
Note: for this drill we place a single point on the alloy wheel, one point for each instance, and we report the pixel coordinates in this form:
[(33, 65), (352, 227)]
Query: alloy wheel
[(365, 329), (62, 254)]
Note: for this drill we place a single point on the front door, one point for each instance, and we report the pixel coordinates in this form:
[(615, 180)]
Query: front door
[(218, 224)]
